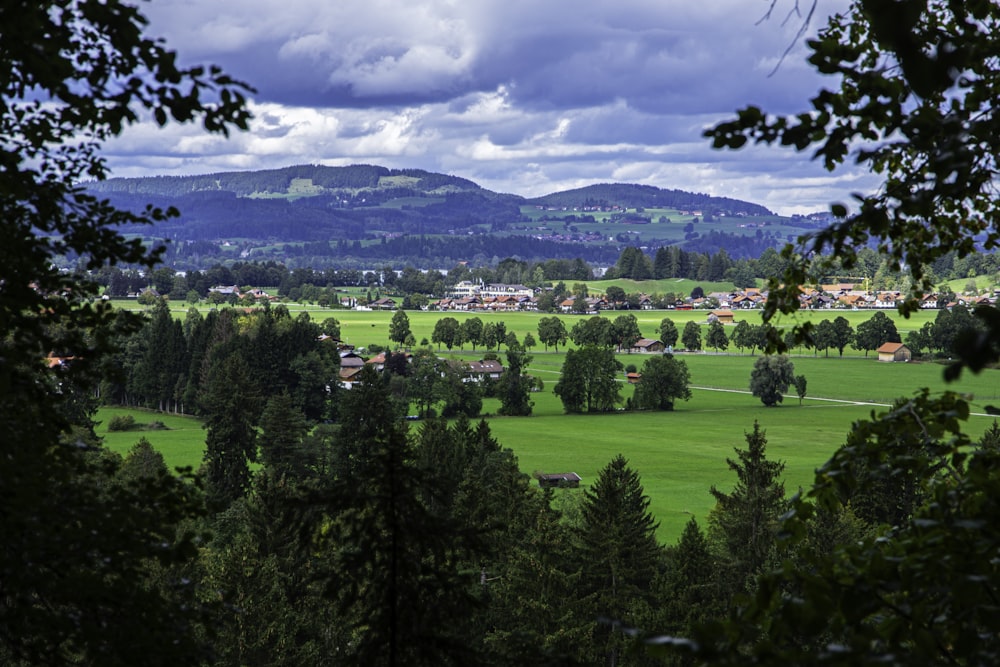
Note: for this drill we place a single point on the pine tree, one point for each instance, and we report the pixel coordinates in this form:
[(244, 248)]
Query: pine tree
[(395, 561), (744, 519), (231, 443), (619, 554), (282, 439)]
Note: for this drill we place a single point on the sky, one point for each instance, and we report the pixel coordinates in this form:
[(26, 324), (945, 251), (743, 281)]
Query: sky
[(521, 96)]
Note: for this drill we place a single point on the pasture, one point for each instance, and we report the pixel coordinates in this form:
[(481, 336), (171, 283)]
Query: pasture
[(678, 454)]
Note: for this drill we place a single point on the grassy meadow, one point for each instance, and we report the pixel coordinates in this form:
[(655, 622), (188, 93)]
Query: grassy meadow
[(679, 454)]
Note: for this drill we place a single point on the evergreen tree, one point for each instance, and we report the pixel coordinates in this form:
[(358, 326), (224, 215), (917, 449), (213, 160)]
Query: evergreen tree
[(744, 519), (231, 404), (690, 591), (395, 561), (282, 439), (618, 554)]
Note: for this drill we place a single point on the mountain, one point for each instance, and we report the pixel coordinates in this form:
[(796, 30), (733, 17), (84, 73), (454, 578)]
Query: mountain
[(629, 195), (311, 203), (368, 213)]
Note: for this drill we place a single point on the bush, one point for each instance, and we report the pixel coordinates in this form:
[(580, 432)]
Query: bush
[(121, 423)]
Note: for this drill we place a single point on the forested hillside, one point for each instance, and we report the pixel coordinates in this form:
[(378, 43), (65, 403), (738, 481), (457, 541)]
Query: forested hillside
[(631, 195), (365, 213)]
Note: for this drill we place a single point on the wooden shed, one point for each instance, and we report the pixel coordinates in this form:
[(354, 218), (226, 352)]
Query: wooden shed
[(724, 316), (558, 479), (894, 352)]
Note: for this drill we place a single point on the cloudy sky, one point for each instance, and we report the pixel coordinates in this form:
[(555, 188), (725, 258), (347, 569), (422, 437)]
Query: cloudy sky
[(521, 96)]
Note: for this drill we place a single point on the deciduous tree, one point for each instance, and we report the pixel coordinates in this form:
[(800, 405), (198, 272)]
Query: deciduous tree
[(73, 559), (691, 338), (770, 378), (665, 379), (589, 380)]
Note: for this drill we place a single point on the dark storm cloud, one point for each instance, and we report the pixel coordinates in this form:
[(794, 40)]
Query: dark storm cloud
[(519, 95)]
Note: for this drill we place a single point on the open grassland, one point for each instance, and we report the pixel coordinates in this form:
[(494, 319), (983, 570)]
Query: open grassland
[(679, 454), (182, 443)]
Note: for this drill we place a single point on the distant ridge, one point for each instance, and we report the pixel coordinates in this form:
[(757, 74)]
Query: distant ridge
[(648, 196), (291, 182), (374, 184)]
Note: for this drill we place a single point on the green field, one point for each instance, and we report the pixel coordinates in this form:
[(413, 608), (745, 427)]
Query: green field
[(363, 328), (679, 454)]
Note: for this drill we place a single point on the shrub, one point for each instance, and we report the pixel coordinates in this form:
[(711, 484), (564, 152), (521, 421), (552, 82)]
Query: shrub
[(121, 423)]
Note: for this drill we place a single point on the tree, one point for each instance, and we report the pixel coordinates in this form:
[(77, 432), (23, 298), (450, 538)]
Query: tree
[(691, 338), (842, 334), (551, 331), (915, 136), (823, 337), (908, 105), (800, 387), (615, 296), (283, 432), (74, 75), (490, 336), (330, 327), (668, 332), (389, 551), (446, 330), (717, 338), (625, 332), (424, 381), (399, 328), (742, 335), (770, 378), (472, 331), (746, 518), (619, 553), (589, 380), (515, 384), (874, 332), (665, 379), (594, 330), (231, 403)]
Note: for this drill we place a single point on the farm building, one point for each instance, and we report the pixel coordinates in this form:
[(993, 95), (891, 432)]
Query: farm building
[(894, 352), (558, 479), (723, 316), (647, 346)]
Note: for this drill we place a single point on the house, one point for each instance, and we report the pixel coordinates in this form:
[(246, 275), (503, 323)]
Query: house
[(475, 371), (722, 316), (385, 303), (348, 376), (648, 346), (894, 352), (558, 479), (633, 378)]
